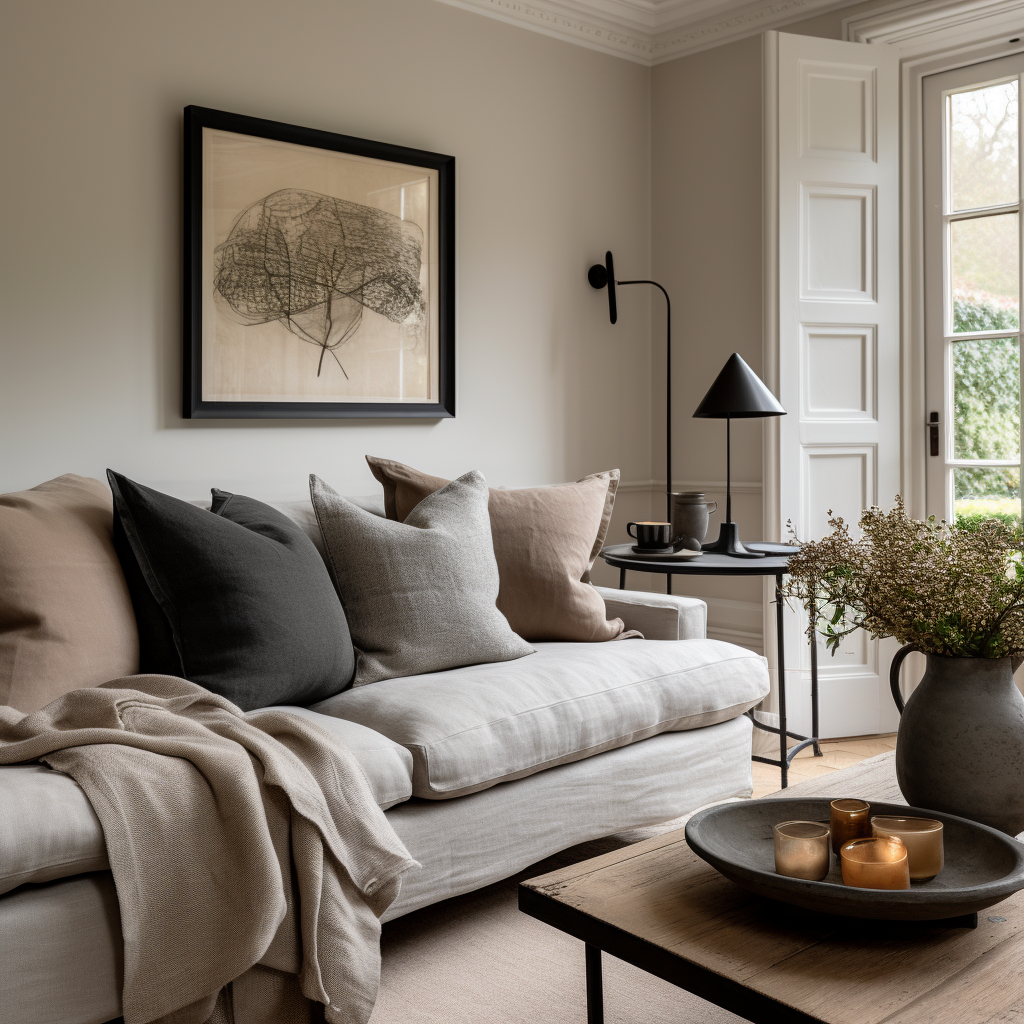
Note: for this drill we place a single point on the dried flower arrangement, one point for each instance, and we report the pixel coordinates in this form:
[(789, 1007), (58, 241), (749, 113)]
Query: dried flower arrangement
[(945, 590)]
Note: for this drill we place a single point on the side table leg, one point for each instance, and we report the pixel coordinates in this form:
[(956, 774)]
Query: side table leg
[(595, 988), (668, 583), (622, 579), (781, 642), (814, 692)]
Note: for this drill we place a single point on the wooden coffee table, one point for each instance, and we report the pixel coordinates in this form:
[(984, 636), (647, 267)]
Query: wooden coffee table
[(661, 908)]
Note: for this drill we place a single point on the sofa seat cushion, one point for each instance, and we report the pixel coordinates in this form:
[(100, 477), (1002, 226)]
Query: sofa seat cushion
[(473, 727), (49, 830)]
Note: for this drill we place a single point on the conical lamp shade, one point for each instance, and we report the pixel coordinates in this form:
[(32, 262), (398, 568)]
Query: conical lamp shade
[(738, 392)]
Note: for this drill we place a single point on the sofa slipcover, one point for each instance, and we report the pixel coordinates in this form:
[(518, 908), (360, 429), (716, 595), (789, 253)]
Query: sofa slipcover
[(473, 727), (49, 830)]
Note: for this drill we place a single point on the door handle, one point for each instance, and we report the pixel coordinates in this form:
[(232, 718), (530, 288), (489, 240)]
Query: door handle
[(933, 433)]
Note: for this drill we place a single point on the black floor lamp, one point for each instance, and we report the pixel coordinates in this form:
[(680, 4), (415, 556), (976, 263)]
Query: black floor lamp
[(737, 393), (601, 276)]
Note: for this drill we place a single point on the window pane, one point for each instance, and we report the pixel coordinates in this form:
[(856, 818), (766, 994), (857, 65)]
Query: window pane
[(983, 146), (987, 491), (984, 257), (986, 399)]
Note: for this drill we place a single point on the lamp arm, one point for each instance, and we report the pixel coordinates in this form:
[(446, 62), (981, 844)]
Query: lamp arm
[(668, 393)]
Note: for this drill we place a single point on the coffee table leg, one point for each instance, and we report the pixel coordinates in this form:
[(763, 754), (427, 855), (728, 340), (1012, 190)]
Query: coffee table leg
[(595, 989)]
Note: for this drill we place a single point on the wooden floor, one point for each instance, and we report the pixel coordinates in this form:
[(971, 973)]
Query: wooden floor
[(836, 754)]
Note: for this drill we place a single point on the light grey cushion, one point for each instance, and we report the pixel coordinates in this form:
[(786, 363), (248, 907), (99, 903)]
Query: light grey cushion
[(49, 830), (419, 595), (387, 765), (471, 728)]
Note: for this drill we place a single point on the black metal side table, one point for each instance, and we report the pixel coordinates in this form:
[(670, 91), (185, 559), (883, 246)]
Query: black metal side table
[(775, 563)]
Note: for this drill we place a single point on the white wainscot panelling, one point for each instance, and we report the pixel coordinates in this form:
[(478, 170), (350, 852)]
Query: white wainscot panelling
[(838, 111), (838, 254), (840, 372), (840, 478)]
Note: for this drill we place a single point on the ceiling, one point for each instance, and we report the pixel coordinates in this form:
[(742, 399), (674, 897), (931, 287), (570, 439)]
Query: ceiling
[(649, 31)]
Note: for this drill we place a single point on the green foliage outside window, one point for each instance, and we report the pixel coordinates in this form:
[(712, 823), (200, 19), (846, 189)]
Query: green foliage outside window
[(986, 407)]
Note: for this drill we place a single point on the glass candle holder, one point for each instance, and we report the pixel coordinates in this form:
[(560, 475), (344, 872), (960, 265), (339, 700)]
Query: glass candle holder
[(850, 819), (922, 838), (877, 863), (802, 850)]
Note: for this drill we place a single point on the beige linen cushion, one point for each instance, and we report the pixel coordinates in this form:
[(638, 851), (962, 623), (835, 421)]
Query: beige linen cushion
[(471, 728), (420, 595), (66, 620), (545, 541)]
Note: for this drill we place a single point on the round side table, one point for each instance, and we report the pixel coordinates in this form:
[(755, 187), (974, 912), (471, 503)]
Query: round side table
[(775, 563)]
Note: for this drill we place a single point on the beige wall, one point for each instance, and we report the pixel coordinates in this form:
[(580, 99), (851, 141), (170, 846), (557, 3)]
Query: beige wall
[(553, 167), (706, 249)]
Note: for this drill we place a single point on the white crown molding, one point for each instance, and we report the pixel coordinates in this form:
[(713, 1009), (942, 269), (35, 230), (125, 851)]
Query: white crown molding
[(908, 20), (648, 32)]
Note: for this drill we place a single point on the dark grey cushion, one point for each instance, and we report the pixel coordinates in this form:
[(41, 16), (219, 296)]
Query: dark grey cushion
[(236, 598)]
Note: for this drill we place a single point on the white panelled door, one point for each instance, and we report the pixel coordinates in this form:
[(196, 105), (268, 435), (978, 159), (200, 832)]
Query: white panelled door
[(838, 330)]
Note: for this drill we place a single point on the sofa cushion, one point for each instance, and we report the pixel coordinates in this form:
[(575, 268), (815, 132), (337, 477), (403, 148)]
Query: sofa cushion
[(419, 595), (471, 728), (386, 764), (66, 619), (546, 540), (49, 830), (235, 599)]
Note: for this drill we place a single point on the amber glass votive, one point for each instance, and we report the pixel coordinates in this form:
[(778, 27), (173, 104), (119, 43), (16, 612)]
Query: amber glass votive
[(801, 850), (850, 819), (877, 863), (923, 839)]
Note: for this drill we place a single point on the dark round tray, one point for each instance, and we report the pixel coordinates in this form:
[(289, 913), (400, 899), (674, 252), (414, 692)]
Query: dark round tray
[(982, 865)]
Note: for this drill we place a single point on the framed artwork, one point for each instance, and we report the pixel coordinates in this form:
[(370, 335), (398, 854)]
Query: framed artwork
[(319, 273)]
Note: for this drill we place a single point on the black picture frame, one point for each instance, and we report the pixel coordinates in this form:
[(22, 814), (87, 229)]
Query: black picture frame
[(194, 405)]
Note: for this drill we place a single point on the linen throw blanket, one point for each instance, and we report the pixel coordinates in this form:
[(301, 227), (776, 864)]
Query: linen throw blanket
[(250, 859)]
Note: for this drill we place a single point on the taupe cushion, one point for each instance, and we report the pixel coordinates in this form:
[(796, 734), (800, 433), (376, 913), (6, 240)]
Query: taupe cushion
[(419, 595), (49, 830), (545, 541), (471, 728), (66, 619)]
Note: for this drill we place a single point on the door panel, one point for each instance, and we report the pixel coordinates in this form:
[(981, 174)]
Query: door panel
[(839, 347)]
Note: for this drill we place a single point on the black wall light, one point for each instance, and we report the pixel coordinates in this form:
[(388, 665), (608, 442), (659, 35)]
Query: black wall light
[(603, 276)]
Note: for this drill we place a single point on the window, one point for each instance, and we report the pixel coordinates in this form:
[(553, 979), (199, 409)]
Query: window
[(972, 288)]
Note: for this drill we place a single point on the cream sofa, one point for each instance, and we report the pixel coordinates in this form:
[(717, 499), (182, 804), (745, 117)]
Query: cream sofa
[(481, 770)]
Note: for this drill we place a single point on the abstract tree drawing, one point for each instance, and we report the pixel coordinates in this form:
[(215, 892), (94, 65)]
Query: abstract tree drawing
[(314, 263)]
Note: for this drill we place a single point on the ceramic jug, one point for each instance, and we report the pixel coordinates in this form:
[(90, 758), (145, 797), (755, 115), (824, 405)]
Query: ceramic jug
[(690, 515), (960, 747)]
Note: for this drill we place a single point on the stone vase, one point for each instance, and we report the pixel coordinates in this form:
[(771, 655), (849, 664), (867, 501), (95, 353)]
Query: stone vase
[(690, 515), (960, 746)]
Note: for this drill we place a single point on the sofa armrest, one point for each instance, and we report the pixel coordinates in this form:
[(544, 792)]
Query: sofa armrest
[(658, 616)]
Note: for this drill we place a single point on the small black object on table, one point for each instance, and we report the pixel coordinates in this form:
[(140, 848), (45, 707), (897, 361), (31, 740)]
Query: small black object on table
[(774, 563)]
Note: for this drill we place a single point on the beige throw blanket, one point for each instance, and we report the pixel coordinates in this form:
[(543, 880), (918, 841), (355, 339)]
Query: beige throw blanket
[(250, 858)]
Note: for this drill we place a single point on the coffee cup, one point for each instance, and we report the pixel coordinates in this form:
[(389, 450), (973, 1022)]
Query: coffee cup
[(650, 535), (690, 515)]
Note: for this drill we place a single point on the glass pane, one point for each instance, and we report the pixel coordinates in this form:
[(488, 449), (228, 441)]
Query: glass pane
[(986, 491), (983, 146), (984, 258), (986, 399)]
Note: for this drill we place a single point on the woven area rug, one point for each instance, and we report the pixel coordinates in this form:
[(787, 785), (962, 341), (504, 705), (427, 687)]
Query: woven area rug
[(477, 959)]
